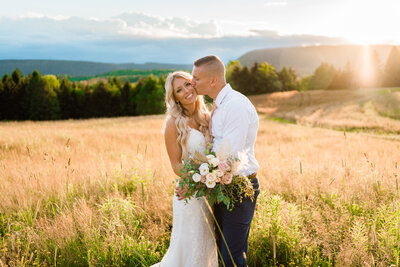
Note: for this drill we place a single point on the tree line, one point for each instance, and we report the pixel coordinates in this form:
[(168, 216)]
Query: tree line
[(37, 97), (264, 78)]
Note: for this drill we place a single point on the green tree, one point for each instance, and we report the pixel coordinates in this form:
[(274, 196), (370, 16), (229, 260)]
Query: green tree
[(52, 82), (85, 100), (2, 101), (101, 104), (392, 68), (232, 70), (150, 96), (115, 81), (13, 94), (43, 104), (66, 99), (7, 97), (267, 79), (242, 80), (377, 71), (128, 95), (288, 78), (304, 83), (322, 77), (344, 79)]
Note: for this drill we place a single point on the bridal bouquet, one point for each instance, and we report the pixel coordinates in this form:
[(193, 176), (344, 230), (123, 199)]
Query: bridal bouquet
[(214, 177)]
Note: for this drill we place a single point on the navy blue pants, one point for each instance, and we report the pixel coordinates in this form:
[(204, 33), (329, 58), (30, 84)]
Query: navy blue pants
[(235, 226)]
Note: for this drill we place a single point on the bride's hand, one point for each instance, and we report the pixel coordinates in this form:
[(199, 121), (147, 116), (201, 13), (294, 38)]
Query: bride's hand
[(181, 192)]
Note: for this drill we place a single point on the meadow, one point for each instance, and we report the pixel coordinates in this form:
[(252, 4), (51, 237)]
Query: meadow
[(99, 192)]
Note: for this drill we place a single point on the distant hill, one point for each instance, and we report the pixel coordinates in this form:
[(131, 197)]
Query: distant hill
[(133, 75), (306, 59), (78, 68)]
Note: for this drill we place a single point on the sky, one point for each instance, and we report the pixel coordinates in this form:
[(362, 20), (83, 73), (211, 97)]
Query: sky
[(122, 31)]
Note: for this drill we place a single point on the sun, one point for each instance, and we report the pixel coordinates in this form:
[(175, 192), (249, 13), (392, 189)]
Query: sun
[(364, 40), (370, 22)]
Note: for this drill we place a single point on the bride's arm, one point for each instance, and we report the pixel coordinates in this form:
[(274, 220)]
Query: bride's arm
[(173, 148), (174, 152)]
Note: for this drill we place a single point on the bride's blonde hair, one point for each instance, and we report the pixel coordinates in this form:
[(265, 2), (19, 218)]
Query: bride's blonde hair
[(177, 111)]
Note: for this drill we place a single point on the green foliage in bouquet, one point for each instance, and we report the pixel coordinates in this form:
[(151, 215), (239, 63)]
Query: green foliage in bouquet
[(214, 178)]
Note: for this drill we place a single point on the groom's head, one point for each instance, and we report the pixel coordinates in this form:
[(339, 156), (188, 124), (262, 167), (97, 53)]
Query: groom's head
[(208, 76)]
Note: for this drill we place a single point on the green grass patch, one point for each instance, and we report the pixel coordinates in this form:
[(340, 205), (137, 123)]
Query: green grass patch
[(388, 91), (282, 120)]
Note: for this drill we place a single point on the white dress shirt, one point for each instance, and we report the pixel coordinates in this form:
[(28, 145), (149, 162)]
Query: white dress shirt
[(234, 126)]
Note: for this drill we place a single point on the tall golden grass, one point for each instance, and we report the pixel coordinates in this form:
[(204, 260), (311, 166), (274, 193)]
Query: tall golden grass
[(376, 110), (99, 192)]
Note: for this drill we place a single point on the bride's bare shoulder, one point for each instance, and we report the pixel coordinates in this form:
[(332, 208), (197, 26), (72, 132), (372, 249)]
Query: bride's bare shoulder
[(170, 127)]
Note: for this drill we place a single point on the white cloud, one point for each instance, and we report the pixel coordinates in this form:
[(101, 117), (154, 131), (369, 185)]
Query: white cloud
[(127, 25), (156, 26), (137, 37), (281, 3)]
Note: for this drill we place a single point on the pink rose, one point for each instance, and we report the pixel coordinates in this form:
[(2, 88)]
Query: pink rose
[(223, 166), (227, 178)]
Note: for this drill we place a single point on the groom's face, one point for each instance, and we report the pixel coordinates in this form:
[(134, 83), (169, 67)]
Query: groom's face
[(201, 80)]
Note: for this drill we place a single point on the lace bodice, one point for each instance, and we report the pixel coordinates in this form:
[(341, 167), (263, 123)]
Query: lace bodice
[(196, 142)]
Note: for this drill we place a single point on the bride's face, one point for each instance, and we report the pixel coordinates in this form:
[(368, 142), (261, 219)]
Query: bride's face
[(184, 91)]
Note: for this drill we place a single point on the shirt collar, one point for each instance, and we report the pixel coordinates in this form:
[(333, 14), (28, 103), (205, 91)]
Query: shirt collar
[(221, 95)]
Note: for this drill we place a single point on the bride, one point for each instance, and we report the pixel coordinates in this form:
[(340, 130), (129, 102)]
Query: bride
[(186, 131)]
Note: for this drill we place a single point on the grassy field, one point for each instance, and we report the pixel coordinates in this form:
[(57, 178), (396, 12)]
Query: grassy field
[(99, 192), (375, 110)]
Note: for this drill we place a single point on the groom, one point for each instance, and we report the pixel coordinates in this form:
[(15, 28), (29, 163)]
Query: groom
[(234, 120)]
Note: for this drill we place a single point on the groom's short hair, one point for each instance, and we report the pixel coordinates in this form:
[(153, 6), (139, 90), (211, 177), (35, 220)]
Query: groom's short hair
[(212, 62)]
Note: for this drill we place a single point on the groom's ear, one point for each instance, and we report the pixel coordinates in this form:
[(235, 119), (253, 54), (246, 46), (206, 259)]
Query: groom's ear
[(214, 81)]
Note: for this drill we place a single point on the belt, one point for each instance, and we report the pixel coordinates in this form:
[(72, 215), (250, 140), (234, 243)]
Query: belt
[(252, 176)]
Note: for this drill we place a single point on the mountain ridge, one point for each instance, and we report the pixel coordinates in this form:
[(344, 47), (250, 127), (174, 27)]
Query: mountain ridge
[(78, 68), (305, 59)]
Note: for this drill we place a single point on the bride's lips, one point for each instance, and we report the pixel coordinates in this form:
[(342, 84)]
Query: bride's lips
[(189, 96)]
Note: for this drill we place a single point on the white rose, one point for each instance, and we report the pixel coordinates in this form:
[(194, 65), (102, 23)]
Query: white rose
[(196, 177), (214, 162), (218, 173), (210, 184), (211, 177), (204, 169)]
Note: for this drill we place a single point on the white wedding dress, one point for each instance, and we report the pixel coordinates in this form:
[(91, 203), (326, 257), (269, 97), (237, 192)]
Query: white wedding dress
[(192, 241)]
